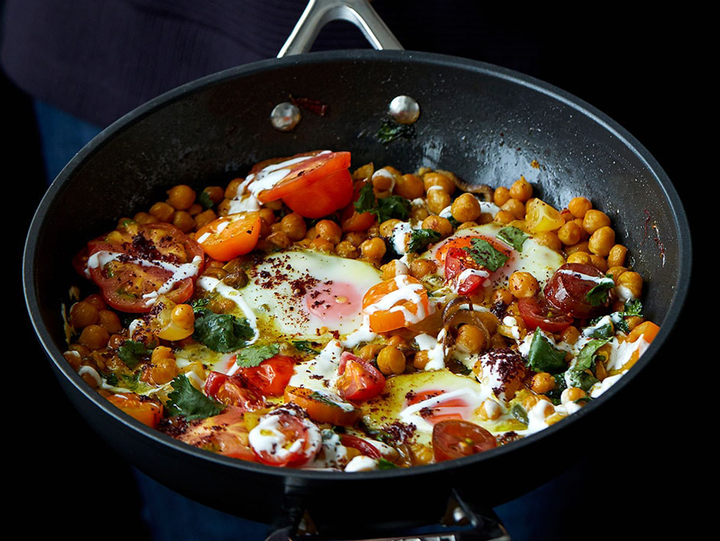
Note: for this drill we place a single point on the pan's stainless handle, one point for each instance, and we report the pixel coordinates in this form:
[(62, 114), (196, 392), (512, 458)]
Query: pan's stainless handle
[(320, 12)]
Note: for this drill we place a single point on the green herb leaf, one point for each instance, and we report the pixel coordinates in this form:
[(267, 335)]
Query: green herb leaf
[(391, 130), (598, 295), (421, 238), (255, 354), (486, 255), (305, 346), (185, 400), (384, 208), (385, 464), (513, 236), (580, 373), (543, 356), (132, 353), (223, 333)]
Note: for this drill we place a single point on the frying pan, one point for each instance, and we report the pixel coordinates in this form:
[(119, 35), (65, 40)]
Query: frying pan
[(488, 124)]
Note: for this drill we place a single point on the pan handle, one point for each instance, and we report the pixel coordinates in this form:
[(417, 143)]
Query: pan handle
[(461, 522), (320, 12)]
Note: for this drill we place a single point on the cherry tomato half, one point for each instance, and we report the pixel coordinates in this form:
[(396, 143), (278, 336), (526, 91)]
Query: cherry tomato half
[(270, 377), (142, 260), (537, 312), (567, 290), (396, 303), (359, 380), (282, 438), (456, 438), (359, 444), (226, 434), (230, 236), (323, 407), (457, 261), (312, 184), (230, 390)]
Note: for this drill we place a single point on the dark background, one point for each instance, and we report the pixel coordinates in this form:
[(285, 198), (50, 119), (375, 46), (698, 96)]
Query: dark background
[(636, 68)]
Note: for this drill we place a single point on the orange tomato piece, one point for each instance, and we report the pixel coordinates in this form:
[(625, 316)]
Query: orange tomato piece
[(396, 303), (323, 408), (230, 236), (146, 410)]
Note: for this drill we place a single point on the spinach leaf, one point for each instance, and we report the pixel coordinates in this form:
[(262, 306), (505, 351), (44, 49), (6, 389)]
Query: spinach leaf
[(486, 255), (598, 295), (384, 208), (513, 236), (543, 356), (421, 238)]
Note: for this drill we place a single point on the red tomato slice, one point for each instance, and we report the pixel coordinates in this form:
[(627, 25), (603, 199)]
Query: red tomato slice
[(457, 438), (396, 303), (230, 390), (225, 434), (270, 377), (146, 410), (365, 447), (312, 184), (282, 438), (148, 260), (537, 312), (230, 236), (567, 290), (359, 380), (457, 261), (453, 407)]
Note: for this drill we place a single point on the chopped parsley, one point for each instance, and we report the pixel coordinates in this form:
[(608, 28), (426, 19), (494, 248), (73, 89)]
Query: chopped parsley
[(391, 130), (486, 255), (384, 208), (305, 346), (421, 238), (187, 401), (513, 236), (223, 333), (255, 354), (132, 353)]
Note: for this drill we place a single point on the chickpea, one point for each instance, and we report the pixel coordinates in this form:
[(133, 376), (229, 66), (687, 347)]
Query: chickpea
[(322, 244), (347, 249), (465, 208), (329, 230), (418, 213), (578, 206), (419, 268), (439, 224), (391, 360), (515, 207), (214, 194), (421, 359), (471, 339), (163, 367), (489, 410), (409, 186), (504, 217), (599, 263), (82, 314), (616, 256), (549, 239), (542, 382), (573, 394), (183, 316), (570, 233), (615, 272), (595, 219), (278, 239), (437, 199), (579, 247), (580, 257), (94, 337), (355, 238), (369, 351), (387, 227), (293, 226), (632, 282), (96, 300), (521, 189), (162, 211), (181, 197), (373, 248), (501, 195), (502, 296), (143, 218), (602, 240), (184, 221), (384, 179), (435, 178), (363, 172), (523, 284), (110, 321)]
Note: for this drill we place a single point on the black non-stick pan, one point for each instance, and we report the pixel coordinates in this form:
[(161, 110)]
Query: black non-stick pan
[(487, 124)]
